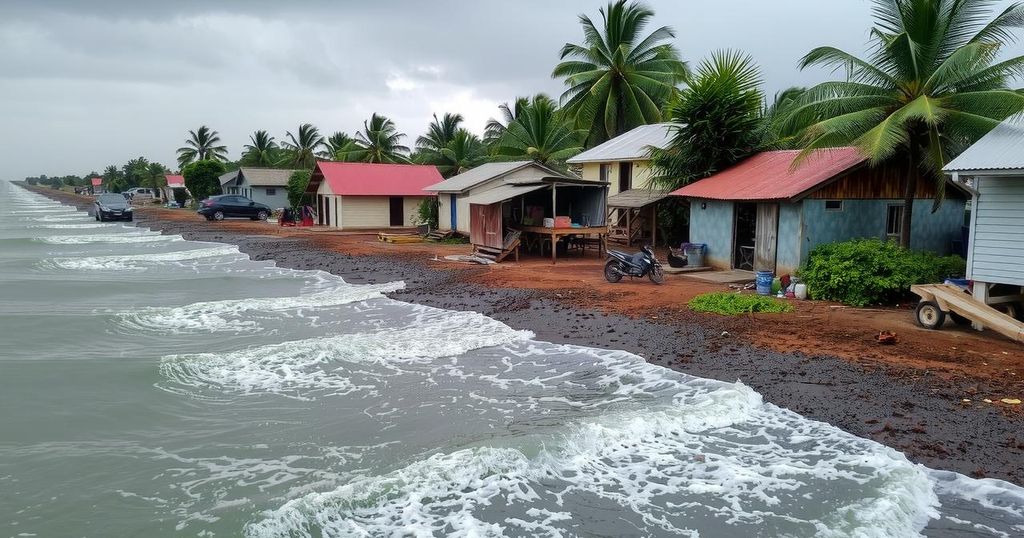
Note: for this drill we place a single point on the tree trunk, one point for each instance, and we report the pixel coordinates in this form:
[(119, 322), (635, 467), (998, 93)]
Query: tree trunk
[(909, 189)]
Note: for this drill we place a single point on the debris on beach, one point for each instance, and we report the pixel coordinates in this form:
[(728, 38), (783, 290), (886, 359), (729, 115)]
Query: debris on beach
[(887, 338), (1011, 401)]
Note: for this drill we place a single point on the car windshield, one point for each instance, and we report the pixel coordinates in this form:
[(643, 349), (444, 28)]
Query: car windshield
[(111, 198)]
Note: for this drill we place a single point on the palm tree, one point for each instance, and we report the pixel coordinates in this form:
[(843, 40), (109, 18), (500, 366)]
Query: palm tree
[(495, 128), (262, 151), (302, 149), (540, 132), (931, 86), (379, 142), (337, 146), (465, 150), (202, 144), (717, 120), (439, 133), (617, 78)]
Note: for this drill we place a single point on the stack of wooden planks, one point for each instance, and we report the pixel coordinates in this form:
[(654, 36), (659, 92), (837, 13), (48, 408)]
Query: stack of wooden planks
[(399, 238)]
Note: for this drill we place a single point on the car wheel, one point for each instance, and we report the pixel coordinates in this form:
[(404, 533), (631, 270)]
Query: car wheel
[(131, 218), (99, 216), (929, 315), (611, 273), (218, 215), (262, 215)]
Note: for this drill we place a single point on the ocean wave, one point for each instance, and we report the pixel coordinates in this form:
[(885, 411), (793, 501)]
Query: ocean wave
[(214, 316), (307, 369), (80, 226), (127, 237), (136, 261)]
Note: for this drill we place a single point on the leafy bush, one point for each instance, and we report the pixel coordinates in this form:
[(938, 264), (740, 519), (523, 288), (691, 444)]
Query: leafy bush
[(180, 196), (426, 213), (297, 184), (730, 304), (871, 271), (202, 178)]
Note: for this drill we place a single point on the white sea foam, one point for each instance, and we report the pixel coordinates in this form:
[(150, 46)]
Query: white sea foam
[(137, 261), (306, 369), (663, 466), (80, 226), (59, 217), (127, 237), (213, 316)]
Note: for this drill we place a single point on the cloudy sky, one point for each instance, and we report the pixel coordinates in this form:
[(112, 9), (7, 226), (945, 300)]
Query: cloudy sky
[(88, 84)]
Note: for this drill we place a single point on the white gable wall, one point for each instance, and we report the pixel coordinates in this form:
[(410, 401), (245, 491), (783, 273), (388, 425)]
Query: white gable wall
[(996, 252)]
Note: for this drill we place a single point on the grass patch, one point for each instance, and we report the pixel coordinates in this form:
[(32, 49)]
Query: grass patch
[(731, 304)]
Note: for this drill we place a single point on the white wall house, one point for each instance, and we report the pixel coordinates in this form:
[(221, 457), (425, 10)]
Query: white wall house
[(453, 193), (624, 161), (994, 169), (369, 196), (263, 185)]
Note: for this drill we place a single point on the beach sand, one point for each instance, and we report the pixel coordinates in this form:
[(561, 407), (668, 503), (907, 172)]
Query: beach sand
[(819, 361)]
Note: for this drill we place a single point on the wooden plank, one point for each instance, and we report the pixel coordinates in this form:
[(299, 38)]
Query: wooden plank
[(766, 237)]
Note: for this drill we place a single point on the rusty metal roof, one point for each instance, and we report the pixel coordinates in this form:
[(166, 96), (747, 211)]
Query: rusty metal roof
[(771, 175)]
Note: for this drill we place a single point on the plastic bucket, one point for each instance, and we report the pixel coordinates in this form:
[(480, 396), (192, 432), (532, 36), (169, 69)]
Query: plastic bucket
[(764, 282), (694, 254)]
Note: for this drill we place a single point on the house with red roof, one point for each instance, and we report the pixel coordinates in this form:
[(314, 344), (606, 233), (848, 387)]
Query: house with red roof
[(369, 195), (97, 185), (174, 182), (767, 212)]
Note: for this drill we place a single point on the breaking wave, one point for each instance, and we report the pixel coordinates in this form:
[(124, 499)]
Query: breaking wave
[(127, 237), (136, 261)]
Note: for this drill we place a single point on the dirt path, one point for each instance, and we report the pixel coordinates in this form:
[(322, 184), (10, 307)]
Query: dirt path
[(820, 360)]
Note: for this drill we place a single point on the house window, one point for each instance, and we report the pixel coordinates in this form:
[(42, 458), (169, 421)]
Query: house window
[(606, 172), (894, 221), (271, 192), (833, 205)]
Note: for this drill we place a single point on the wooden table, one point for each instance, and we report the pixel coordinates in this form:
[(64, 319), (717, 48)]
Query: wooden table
[(556, 233)]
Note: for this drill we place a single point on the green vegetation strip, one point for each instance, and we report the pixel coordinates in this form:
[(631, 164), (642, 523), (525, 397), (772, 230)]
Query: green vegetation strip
[(730, 304)]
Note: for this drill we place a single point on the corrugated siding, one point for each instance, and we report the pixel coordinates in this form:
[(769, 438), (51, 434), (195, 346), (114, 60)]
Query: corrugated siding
[(997, 236), (365, 211)]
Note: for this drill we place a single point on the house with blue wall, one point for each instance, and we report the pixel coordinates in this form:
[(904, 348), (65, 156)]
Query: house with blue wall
[(767, 212)]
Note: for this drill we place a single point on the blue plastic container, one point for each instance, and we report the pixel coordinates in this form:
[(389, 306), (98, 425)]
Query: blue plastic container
[(764, 282)]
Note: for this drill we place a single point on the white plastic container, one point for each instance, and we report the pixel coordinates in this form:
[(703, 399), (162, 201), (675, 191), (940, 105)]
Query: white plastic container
[(549, 222), (800, 290)]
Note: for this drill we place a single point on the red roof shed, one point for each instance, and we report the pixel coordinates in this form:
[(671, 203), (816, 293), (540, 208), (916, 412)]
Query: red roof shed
[(175, 180), (97, 181), (771, 175), (372, 179)]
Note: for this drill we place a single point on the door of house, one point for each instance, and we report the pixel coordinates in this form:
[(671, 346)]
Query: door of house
[(625, 176), (326, 212), (485, 227), (766, 238), (397, 211), (320, 210)]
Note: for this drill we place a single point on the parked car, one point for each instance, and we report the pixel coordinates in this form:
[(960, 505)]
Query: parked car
[(140, 192), (111, 206), (232, 205)]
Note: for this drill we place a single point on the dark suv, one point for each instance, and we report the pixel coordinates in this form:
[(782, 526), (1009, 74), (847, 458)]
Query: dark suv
[(232, 205)]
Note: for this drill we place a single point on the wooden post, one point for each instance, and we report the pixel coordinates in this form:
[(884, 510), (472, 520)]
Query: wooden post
[(629, 227), (654, 225)]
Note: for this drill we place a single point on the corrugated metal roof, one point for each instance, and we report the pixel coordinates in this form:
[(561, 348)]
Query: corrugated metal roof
[(502, 193), (366, 179), (228, 177), (770, 175), (630, 146), (486, 172), (636, 198), (1001, 149), (266, 177)]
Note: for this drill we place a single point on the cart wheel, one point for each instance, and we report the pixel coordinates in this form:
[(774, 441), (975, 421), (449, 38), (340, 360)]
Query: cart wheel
[(959, 320), (929, 315)]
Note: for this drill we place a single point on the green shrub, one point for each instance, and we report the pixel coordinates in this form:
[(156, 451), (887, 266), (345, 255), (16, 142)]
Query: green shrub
[(202, 178), (730, 304), (297, 184), (870, 271), (426, 212)]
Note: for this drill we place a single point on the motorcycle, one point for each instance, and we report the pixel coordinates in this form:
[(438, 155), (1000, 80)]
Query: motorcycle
[(639, 265)]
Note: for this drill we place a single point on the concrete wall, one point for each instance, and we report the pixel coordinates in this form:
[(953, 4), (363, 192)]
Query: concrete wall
[(996, 252), (713, 225), (867, 219)]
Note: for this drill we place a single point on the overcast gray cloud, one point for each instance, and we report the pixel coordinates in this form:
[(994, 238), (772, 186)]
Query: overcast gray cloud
[(87, 84)]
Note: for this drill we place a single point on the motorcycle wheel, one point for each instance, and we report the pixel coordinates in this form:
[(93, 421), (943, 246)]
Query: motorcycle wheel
[(610, 272), (657, 274)]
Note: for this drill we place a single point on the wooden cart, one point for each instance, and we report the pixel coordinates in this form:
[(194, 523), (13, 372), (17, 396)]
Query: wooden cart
[(937, 300)]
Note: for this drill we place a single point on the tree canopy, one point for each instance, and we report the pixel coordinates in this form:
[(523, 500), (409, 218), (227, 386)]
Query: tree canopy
[(202, 144), (202, 178), (538, 132)]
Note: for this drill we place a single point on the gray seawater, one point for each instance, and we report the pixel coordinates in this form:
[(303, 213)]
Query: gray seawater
[(151, 386)]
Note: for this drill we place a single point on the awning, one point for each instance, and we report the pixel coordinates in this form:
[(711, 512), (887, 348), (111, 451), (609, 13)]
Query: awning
[(502, 193), (636, 198)]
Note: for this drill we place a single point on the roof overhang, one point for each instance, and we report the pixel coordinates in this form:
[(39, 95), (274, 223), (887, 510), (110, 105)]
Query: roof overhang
[(636, 198), (504, 192)]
